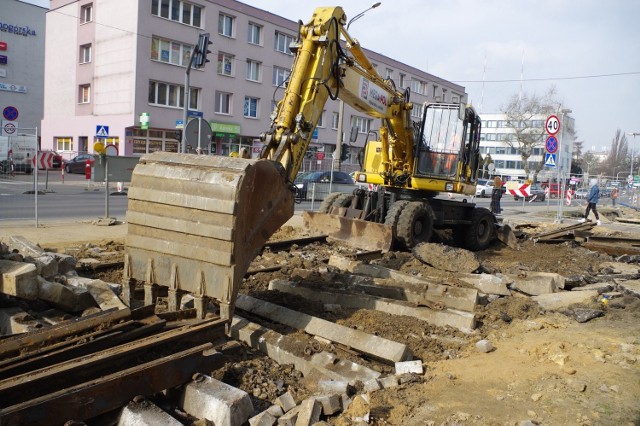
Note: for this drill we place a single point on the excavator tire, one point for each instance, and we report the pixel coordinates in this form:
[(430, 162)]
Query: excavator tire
[(415, 225), (327, 203), (195, 222), (479, 234), (393, 214)]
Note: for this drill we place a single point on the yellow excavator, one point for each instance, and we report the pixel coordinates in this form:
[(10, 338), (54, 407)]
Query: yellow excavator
[(196, 222)]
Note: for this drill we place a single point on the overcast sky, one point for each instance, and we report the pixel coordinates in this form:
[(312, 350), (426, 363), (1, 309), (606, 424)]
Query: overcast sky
[(588, 49)]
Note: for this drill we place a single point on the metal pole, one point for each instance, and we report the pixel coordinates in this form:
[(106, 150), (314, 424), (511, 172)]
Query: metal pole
[(106, 186), (36, 178), (338, 150), (187, 100)]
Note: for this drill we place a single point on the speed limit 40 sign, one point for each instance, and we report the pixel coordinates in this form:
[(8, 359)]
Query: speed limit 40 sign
[(552, 125)]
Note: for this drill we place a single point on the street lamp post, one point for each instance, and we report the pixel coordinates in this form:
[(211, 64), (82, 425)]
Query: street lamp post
[(634, 134)]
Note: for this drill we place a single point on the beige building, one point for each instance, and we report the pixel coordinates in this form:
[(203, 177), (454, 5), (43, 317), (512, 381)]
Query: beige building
[(108, 62)]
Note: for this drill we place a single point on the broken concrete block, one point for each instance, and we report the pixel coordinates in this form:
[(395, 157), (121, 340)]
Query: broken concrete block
[(536, 283), (145, 413), (631, 287), (333, 386), (487, 283), (66, 263), (484, 346), (55, 316), (25, 246), (563, 299), (15, 321), (263, 419), (289, 418), (211, 399), (101, 292), (67, 298), (414, 366), (599, 287), (388, 382), (275, 410), (310, 410), (286, 401), (331, 404), (619, 268), (19, 279), (46, 266), (372, 385)]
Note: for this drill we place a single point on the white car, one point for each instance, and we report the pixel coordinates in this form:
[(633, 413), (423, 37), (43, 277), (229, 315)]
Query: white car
[(482, 188)]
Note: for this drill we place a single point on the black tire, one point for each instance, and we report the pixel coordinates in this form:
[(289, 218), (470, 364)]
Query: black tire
[(343, 200), (480, 233), (393, 214), (327, 203), (482, 194), (415, 225), (516, 198), (67, 169), (542, 197)]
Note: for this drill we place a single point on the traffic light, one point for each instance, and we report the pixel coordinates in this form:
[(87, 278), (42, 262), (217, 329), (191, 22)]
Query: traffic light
[(344, 152), (201, 51)]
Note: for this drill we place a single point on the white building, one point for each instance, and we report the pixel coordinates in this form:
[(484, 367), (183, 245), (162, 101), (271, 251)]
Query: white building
[(109, 61), (498, 140)]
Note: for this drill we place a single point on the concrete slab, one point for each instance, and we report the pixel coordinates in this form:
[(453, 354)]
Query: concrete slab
[(631, 287), (289, 418), (420, 290), (555, 301), (263, 419), (535, 283), (286, 401), (211, 399), (19, 279), (25, 246), (487, 283), (101, 292), (331, 404), (281, 349), (145, 413), (375, 346), (405, 367), (14, 320), (67, 298), (46, 265), (446, 317), (619, 268)]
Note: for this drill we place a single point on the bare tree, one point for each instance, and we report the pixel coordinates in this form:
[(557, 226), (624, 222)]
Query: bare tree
[(617, 160), (521, 113)]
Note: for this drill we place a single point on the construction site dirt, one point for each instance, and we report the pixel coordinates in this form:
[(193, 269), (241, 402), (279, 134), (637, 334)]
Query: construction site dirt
[(519, 354)]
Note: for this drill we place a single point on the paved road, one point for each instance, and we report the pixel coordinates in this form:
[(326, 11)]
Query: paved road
[(74, 198)]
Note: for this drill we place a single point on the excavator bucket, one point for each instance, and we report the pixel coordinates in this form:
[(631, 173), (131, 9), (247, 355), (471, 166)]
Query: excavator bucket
[(354, 232), (195, 223)]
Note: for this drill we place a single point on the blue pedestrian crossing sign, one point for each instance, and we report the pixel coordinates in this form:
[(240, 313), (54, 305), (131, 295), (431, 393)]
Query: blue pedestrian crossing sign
[(550, 160), (102, 131)]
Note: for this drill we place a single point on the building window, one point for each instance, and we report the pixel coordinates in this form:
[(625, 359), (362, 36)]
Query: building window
[(251, 107), (455, 98), (84, 94), (321, 119), (419, 87), (435, 92), (172, 95), (178, 10), (253, 70), (401, 81), (416, 111), (255, 34), (389, 73), (335, 120), (223, 103), (226, 25), (85, 53), (225, 64), (282, 43), (170, 52), (86, 13), (280, 75), (363, 124), (64, 144)]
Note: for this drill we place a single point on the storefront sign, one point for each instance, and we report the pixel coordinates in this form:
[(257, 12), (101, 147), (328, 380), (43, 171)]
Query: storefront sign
[(225, 128), (3, 45), (13, 88), (25, 31), (3, 59)]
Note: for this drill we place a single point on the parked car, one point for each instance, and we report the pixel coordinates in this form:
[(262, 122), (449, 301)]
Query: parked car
[(56, 163), (78, 163), (481, 188), (536, 193), (342, 182), (581, 193), (489, 188)]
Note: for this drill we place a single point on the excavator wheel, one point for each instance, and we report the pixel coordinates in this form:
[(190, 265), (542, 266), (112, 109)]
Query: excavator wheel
[(393, 214), (479, 234), (415, 224), (328, 202)]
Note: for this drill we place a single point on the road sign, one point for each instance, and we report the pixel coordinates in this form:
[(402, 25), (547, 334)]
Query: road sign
[(550, 160), (518, 189), (10, 113), (552, 125), (44, 160), (551, 145), (9, 128), (111, 150), (179, 124), (102, 131)]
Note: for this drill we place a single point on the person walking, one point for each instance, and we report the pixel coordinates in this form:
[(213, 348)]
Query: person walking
[(614, 196), (496, 195), (592, 200)]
